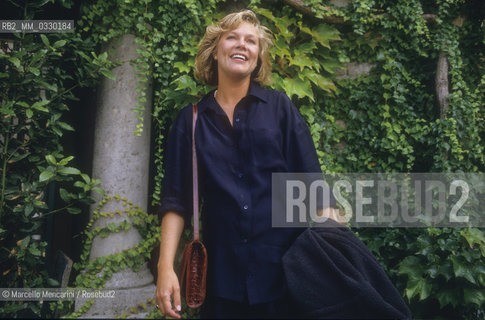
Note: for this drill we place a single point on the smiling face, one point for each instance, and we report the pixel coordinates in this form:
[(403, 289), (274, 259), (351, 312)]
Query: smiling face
[(237, 52)]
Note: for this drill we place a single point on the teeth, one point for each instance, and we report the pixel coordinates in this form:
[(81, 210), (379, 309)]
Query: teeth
[(239, 56)]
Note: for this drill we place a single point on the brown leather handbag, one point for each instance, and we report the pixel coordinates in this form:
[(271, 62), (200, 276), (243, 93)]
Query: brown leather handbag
[(194, 259)]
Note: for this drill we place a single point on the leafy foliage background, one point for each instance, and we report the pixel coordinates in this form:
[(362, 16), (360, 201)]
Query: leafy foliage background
[(385, 121)]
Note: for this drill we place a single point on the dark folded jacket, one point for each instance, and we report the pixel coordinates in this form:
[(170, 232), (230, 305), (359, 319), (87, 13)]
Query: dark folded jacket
[(332, 274)]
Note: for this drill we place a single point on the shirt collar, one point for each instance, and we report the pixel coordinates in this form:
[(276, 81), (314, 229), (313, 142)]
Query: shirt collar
[(255, 90)]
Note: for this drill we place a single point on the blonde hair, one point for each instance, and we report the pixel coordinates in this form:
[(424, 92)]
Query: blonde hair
[(206, 65)]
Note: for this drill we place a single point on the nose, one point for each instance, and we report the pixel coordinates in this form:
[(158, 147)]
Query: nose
[(241, 43)]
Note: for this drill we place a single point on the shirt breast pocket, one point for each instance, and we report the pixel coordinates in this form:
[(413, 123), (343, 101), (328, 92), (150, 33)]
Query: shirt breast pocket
[(266, 148)]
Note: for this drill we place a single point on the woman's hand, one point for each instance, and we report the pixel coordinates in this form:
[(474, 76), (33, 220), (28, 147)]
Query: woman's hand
[(168, 287), (168, 290), (334, 214)]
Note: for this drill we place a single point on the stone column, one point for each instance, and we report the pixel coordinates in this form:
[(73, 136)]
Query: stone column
[(121, 161)]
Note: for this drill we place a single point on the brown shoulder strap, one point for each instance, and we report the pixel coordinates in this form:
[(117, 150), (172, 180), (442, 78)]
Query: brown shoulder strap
[(195, 188)]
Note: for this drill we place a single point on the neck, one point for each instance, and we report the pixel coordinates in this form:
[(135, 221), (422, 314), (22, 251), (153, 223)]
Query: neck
[(230, 92)]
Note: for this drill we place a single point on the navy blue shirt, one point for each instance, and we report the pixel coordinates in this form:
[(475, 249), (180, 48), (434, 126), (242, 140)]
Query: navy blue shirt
[(235, 166)]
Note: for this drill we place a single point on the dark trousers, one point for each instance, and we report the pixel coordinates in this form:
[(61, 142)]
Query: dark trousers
[(219, 308)]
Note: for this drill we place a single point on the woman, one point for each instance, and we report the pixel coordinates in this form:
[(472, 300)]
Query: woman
[(244, 133)]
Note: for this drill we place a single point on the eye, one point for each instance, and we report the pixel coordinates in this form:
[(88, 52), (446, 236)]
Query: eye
[(251, 41)]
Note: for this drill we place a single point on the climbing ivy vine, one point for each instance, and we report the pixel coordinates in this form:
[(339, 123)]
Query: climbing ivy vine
[(393, 124), (95, 273), (387, 120)]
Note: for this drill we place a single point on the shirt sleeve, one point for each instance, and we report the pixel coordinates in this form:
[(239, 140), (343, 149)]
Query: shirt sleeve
[(300, 149), (177, 181)]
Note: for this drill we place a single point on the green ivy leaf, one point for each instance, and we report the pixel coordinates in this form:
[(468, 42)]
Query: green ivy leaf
[(65, 196), (266, 13), (322, 82), (108, 74), (68, 171), (35, 251), (18, 157), (79, 184), (186, 82), (52, 87), (306, 47), (85, 177), (51, 159), (308, 113), (323, 34), (301, 60), (65, 126), (15, 61), (39, 105), (418, 286), (57, 131), (73, 210), (65, 161), (98, 190), (411, 266), (281, 48), (12, 308), (474, 236), (53, 283), (25, 242), (112, 227), (473, 295), (34, 71), (46, 175), (39, 204), (298, 87), (182, 67), (448, 296), (462, 269), (28, 209), (22, 104), (45, 40), (59, 44)]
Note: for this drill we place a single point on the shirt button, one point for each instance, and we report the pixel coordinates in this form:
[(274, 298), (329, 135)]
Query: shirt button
[(245, 240), (238, 119), (240, 175), (245, 207)]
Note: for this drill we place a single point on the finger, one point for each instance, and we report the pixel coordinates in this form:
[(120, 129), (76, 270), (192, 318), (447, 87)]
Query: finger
[(160, 304), (326, 213), (334, 214), (160, 309), (168, 309), (176, 299), (341, 216)]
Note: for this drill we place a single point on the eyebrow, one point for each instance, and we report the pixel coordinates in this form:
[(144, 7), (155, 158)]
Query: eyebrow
[(251, 35)]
